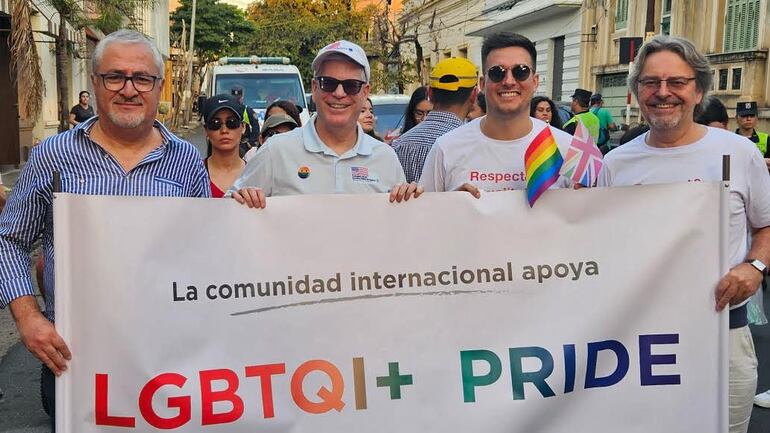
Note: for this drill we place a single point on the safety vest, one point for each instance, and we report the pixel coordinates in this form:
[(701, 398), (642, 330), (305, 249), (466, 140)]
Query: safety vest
[(246, 119), (590, 120), (758, 138), (762, 143)]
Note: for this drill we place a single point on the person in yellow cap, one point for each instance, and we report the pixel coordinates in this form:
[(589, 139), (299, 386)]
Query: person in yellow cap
[(746, 117), (453, 92)]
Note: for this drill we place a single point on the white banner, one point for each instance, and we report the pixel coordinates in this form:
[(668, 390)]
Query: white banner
[(592, 312)]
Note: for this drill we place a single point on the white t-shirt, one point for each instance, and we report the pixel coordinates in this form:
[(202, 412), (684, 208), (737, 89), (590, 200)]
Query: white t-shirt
[(636, 163), (466, 155)]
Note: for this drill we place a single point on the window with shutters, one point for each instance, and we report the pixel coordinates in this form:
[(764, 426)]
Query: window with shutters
[(741, 25), (621, 14), (665, 18), (722, 79), (737, 75)]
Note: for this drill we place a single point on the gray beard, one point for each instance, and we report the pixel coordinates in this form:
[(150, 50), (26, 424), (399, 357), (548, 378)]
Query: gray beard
[(670, 123), (125, 123)]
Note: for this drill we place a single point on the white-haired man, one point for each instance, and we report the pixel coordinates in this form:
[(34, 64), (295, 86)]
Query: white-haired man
[(122, 151), (670, 78), (331, 153)]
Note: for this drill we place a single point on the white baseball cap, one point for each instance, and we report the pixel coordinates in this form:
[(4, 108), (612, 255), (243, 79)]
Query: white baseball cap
[(347, 49)]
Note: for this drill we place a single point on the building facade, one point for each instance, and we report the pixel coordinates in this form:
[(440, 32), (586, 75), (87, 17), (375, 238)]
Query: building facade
[(44, 20), (554, 27), (734, 34), (439, 29), (457, 28)]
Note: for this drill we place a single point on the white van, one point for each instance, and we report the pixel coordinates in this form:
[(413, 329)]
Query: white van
[(263, 79)]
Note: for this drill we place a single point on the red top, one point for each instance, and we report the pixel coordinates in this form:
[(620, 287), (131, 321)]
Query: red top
[(215, 191)]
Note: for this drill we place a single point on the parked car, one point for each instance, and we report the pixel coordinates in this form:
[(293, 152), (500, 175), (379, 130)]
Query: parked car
[(389, 115), (310, 103)]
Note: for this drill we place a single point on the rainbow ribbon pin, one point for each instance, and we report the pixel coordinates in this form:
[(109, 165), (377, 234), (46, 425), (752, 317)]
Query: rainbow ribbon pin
[(542, 161)]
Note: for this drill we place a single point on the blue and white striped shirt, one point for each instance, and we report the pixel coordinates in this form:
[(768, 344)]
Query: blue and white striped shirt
[(412, 148), (172, 169)]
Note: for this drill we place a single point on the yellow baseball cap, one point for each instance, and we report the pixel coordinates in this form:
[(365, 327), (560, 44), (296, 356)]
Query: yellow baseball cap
[(453, 73)]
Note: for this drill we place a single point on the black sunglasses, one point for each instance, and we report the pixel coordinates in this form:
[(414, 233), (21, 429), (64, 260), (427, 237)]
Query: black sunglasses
[(230, 123), (520, 73), (329, 85)]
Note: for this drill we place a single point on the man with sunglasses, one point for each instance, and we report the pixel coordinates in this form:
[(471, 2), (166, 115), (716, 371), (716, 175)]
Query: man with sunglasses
[(331, 153), (669, 78), (488, 153), (122, 151)]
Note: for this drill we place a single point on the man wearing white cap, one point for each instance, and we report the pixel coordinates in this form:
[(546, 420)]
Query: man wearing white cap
[(331, 153)]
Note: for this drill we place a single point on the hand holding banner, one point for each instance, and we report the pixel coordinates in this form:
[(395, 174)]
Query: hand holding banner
[(541, 320)]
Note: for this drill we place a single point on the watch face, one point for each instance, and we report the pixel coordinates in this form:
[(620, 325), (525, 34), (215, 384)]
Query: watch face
[(759, 266)]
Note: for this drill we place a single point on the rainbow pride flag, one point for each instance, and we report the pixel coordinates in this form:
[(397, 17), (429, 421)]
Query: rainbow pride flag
[(542, 161)]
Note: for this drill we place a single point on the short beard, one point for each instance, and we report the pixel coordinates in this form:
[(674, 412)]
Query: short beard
[(665, 124), (125, 122)]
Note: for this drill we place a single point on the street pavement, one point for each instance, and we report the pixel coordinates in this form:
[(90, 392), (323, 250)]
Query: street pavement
[(20, 409)]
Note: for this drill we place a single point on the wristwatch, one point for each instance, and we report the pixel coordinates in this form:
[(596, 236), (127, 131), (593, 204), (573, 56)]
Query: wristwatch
[(758, 265)]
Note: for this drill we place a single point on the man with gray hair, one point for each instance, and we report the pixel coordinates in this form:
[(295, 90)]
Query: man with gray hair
[(670, 78), (122, 151), (331, 153)]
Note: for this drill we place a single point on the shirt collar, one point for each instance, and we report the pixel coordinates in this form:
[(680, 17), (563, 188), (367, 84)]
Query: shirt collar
[(444, 117), (313, 142), (85, 128)]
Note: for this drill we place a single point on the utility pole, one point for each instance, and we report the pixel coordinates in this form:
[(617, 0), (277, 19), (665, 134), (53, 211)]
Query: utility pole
[(649, 25), (191, 53)]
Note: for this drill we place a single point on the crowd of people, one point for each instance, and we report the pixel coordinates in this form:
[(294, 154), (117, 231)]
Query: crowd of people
[(467, 120)]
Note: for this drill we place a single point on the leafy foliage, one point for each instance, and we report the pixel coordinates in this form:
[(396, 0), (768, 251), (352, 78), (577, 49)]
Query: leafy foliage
[(220, 29), (299, 28)]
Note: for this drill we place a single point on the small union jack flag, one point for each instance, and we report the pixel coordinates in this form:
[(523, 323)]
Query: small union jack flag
[(583, 160), (360, 173)]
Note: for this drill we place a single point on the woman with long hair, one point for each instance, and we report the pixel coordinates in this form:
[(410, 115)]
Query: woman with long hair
[(545, 109), (224, 128), (419, 107), (366, 119)]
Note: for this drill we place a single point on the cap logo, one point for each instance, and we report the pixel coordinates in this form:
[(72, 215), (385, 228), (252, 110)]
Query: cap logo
[(748, 105), (219, 101)]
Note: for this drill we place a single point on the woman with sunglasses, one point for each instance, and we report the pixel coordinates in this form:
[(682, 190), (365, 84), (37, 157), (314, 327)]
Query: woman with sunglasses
[(224, 128), (545, 109), (419, 106)]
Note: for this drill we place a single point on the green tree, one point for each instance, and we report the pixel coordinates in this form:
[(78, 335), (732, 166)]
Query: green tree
[(299, 28), (391, 72), (220, 29)]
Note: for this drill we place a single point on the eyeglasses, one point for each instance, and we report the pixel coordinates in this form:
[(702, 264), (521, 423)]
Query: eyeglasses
[(351, 87), (230, 123), (116, 82), (519, 72), (677, 83)]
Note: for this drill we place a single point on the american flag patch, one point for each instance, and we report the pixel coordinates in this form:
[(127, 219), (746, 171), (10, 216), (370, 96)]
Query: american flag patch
[(360, 173)]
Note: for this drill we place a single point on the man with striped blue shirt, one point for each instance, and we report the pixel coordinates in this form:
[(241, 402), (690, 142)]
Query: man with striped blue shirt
[(123, 151), (453, 91)]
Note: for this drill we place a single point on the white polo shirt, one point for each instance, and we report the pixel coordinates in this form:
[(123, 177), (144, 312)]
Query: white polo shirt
[(298, 162)]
